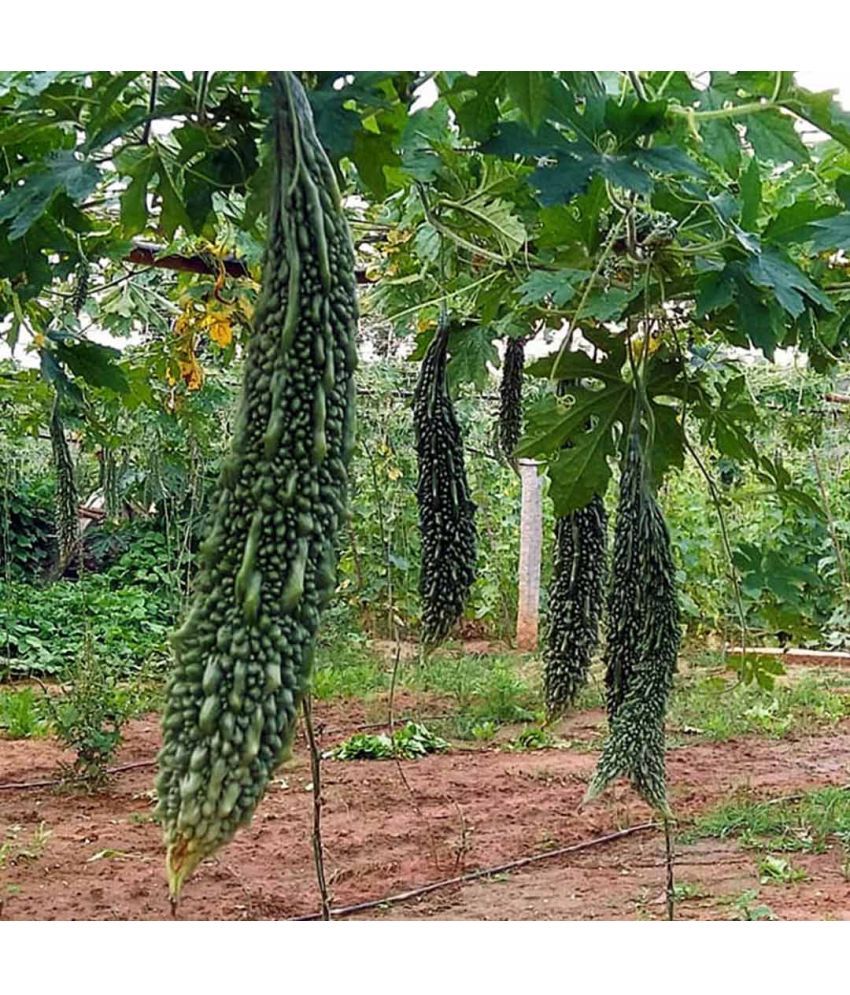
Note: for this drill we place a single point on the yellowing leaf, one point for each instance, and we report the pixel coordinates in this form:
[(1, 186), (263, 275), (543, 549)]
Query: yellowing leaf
[(192, 372), (221, 331)]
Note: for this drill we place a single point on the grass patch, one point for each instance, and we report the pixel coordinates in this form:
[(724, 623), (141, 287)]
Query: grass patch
[(22, 714), (712, 708), (488, 691), (348, 670), (807, 823)]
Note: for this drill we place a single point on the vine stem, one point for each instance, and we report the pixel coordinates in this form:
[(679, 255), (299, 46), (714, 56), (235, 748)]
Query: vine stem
[(606, 251), (715, 499), (830, 520), (316, 772), (671, 886), (721, 113)]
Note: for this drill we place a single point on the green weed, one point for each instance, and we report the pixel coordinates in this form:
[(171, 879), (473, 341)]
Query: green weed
[(22, 714), (778, 870), (532, 738), (806, 823), (714, 709), (747, 912), (348, 670)]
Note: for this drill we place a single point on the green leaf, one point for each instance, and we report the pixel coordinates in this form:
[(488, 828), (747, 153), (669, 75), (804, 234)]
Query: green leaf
[(499, 218), (427, 243), (94, 363), (668, 159), (750, 195), (530, 92), (609, 303), (372, 152), (823, 110), (172, 210), (668, 441), (471, 349), (773, 137), (134, 200), (558, 184), (715, 291), (794, 223), (477, 115), (580, 472), (560, 287), (720, 140), (756, 318), (790, 285), (25, 204), (832, 233), (425, 132), (631, 118)]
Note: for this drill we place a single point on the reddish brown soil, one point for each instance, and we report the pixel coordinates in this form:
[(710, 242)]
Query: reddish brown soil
[(101, 855)]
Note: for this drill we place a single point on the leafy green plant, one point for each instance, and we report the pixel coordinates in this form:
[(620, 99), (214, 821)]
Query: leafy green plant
[(22, 714), (748, 912), (533, 738), (412, 741), (778, 870), (686, 891), (90, 717)]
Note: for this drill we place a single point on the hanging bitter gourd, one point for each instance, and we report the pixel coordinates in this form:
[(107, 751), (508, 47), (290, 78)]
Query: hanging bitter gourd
[(446, 511), (67, 497), (510, 398), (109, 483), (642, 639), (81, 286), (268, 565), (576, 596)]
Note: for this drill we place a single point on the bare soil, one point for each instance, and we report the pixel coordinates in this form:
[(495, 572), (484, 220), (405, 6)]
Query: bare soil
[(72, 855)]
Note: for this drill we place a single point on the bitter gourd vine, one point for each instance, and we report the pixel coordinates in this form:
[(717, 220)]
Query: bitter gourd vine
[(243, 657), (67, 497), (642, 639), (510, 399), (576, 596), (446, 511)]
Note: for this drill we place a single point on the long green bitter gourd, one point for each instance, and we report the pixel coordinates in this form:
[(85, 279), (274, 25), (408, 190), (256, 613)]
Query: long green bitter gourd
[(642, 640), (67, 497), (267, 566), (446, 511), (576, 597), (510, 399)]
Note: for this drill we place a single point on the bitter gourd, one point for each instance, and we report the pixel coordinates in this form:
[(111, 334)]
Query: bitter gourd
[(81, 286), (446, 511), (576, 596), (67, 497), (243, 657), (510, 399), (642, 640)]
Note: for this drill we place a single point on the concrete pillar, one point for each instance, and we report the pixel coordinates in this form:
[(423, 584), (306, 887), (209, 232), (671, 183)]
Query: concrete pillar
[(531, 537)]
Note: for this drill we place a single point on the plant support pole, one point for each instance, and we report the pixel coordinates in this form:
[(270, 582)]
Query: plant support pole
[(530, 543), (316, 772)]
